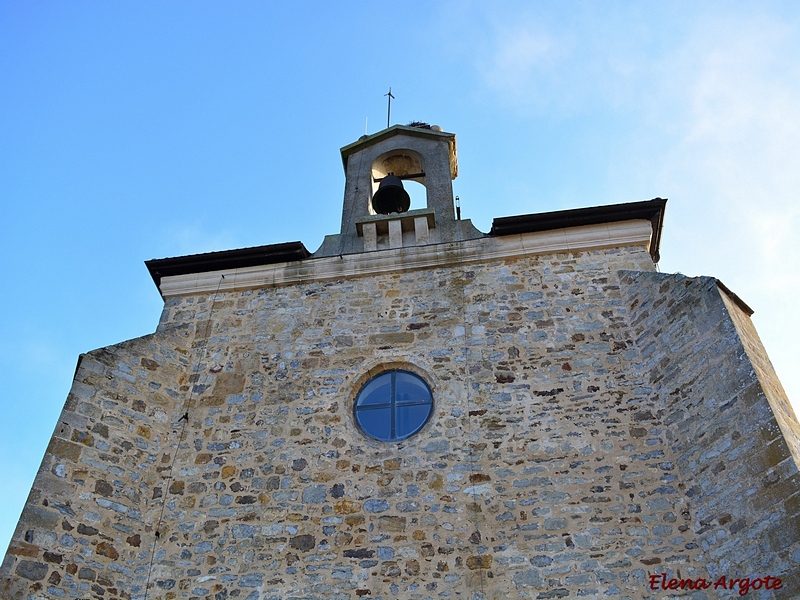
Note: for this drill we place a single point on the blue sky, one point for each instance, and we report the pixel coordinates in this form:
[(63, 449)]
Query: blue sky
[(150, 129)]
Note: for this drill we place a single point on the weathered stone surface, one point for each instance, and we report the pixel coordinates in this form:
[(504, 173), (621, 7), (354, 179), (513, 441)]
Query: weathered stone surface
[(64, 450), (107, 550), (314, 494), (303, 542), (483, 561), (585, 421), (35, 571), (528, 578)]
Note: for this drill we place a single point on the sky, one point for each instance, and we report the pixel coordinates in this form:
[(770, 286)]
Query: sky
[(131, 131)]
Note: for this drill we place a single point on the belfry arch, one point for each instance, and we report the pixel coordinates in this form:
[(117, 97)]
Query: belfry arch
[(423, 155), (406, 164)]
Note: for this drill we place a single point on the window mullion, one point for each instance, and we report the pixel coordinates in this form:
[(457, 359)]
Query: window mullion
[(392, 427)]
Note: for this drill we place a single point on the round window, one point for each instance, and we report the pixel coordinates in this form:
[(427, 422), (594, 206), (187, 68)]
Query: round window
[(393, 406)]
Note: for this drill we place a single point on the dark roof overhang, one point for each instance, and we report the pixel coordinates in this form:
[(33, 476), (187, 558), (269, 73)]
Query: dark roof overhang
[(651, 210), (226, 260)]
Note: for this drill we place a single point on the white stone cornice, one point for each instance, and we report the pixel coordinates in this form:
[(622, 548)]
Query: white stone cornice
[(588, 237)]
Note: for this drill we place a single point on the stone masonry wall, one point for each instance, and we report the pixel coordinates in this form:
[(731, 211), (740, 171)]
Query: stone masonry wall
[(767, 378), (549, 469), (736, 471), (533, 479), (86, 526)]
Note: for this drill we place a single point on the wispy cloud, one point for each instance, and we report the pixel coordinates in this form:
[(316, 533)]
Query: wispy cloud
[(196, 238), (740, 148), (520, 56), (710, 103)]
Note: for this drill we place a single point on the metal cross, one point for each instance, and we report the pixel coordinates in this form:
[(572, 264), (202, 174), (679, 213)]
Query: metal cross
[(389, 114)]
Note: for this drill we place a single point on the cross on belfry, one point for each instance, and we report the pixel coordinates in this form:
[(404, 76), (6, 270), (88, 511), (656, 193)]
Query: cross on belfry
[(389, 113)]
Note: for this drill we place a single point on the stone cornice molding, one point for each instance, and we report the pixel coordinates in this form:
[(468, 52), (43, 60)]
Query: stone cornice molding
[(591, 237)]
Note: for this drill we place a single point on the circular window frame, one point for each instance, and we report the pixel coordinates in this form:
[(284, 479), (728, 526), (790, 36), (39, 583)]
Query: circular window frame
[(392, 404)]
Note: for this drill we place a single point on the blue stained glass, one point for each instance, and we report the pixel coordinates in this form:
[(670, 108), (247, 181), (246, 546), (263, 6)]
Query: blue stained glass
[(377, 391), (393, 405), (410, 388), (410, 419), (377, 422)]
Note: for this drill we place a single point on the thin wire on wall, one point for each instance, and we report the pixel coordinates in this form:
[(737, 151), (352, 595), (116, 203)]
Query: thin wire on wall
[(166, 484)]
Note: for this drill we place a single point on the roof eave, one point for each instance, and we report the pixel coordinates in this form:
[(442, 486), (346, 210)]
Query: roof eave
[(651, 210), (225, 260)]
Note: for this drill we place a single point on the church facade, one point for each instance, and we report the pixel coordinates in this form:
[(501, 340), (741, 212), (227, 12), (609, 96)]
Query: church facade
[(422, 410)]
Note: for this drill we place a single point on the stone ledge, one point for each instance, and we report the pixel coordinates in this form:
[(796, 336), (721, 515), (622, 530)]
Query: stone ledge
[(406, 220), (590, 237)]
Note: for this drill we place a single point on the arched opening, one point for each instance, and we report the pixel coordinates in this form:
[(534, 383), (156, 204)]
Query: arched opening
[(418, 194), (408, 165)]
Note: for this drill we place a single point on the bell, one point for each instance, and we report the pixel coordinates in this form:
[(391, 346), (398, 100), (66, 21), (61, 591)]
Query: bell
[(391, 197)]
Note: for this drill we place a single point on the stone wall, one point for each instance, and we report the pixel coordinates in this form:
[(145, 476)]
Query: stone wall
[(552, 466), (533, 475), (87, 525), (708, 371)]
